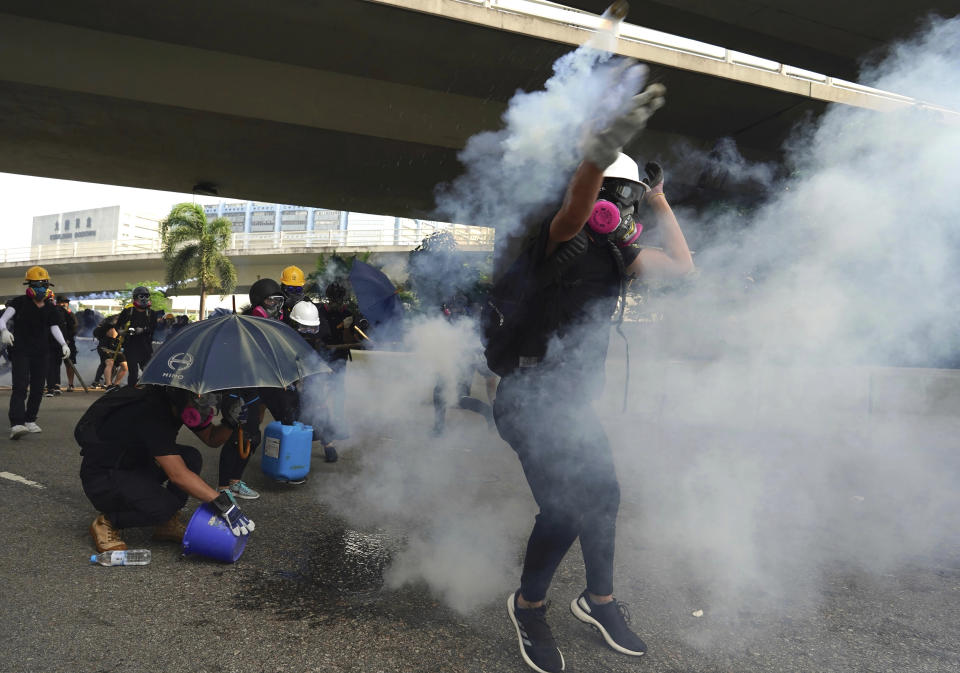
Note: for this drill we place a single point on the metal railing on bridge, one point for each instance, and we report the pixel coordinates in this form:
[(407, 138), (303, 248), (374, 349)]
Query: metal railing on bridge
[(403, 237)]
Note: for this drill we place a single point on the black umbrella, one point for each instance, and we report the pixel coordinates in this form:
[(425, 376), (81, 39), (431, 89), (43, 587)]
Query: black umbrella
[(376, 296), (233, 351)]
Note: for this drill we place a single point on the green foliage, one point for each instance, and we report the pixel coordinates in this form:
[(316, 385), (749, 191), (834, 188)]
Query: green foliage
[(330, 268), (193, 251)]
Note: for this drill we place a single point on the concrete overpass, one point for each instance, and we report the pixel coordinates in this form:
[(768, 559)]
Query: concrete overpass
[(362, 104), (86, 268)]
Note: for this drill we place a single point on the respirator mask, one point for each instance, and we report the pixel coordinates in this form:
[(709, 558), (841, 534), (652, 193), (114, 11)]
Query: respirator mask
[(38, 289), (200, 411), (272, 305), (141, 300), (615, 212)]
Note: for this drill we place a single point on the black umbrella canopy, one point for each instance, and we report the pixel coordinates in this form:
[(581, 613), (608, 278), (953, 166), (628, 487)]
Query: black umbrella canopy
[(233, 351)]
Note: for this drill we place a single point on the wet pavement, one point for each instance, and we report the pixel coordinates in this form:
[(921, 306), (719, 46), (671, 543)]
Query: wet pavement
[(329, 582)]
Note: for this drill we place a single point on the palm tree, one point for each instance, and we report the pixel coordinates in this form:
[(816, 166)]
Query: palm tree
[(193, 250)]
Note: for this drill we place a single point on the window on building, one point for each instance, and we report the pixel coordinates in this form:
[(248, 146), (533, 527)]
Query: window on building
[(89, 222), (293, 220), (66, 225), (262, 220), (77, 222), (236, 220), (56, 226)]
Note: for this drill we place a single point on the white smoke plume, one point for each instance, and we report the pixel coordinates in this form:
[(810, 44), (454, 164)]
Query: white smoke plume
[(781, 442), (748, 464)]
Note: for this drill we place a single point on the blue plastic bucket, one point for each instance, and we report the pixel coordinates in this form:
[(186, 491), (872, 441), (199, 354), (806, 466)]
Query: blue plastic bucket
[(207, 535)]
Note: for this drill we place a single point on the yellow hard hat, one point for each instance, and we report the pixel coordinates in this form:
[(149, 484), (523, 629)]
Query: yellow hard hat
[(293, 276), (35, 273)]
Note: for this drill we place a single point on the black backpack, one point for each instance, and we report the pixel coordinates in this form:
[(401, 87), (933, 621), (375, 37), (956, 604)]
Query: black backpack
[(520, 309)]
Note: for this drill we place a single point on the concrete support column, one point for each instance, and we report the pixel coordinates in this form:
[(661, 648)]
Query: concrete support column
[(220, 209), (248, 218), (344, 217), (396, 231), (310, 215)]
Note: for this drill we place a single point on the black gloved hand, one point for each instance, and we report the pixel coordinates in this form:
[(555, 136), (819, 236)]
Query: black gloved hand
[(654, 179), (238, 522)]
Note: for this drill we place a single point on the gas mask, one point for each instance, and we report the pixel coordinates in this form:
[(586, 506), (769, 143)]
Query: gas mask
[(614, 213), (141, 300), (38, 289), (291, 294), (199, 412), (272, 305)]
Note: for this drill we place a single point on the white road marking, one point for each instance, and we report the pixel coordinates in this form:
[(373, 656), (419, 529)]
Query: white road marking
[(23, 480)]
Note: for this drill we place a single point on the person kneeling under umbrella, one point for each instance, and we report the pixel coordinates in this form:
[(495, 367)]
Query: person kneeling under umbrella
[(134, 472)]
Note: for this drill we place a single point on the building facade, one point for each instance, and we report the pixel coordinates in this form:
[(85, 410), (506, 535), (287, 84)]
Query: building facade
[(110, 223)]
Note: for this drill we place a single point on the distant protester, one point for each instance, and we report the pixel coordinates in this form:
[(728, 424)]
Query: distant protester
[(34, 321)]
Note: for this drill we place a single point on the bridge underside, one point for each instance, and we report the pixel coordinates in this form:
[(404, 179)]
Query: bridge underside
[(349, 104)]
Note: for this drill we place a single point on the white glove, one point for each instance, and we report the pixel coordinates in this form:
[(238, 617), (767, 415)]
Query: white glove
[(66, 351), (602, 147), (7, 337)]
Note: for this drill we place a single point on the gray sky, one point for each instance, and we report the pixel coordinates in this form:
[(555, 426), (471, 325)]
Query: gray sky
[(26, 196)]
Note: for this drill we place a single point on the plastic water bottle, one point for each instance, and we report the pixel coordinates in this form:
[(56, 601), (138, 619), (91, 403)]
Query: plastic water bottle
[(125, 557)]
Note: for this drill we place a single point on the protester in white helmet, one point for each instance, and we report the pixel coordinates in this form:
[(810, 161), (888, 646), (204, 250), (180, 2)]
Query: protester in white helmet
[(311, 398), (544, 404)]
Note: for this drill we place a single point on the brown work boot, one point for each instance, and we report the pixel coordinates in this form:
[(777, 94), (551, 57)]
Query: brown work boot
[(170, 531), (105, 536)]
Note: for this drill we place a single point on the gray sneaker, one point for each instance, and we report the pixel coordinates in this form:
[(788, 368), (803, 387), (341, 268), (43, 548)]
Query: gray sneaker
[(32, 427), (241, 490), (18, 431)]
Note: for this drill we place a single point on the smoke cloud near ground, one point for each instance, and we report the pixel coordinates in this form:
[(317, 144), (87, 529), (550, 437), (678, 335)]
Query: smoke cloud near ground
[(758, 475), (744, 478)]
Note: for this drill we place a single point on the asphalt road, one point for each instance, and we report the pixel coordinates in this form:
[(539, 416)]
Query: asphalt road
[(309, 593)]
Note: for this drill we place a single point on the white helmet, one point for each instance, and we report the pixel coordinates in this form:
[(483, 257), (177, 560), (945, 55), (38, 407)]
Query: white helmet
[(624, 167), (305, 313)]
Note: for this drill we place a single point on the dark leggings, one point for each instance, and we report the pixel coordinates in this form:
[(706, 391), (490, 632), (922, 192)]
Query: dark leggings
[(137, 357), (568, 464), (26, 370), (137, 497)]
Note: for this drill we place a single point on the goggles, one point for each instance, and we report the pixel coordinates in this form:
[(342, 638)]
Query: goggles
[(308, 329), (292, 290), (622, 192), (38, 286)]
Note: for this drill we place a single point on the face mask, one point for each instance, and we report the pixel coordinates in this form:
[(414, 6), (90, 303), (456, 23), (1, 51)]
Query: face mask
[(141, 300), (620, 227), (199, 413), (292, 294), (272, 305), (37, 290)]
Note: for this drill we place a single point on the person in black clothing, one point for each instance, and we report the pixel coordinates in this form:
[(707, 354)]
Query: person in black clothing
[(33, 319), (544, 410), (305, 318), (339, 322), (68, 325), (266, 301), (112, 359), (136, 323), (128, 441), (54, 358)]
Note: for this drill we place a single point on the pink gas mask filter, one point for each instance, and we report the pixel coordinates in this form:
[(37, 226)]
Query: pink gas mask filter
[(606, 219)]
